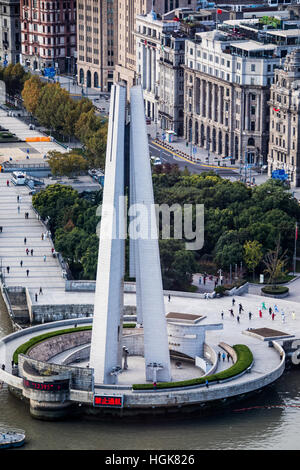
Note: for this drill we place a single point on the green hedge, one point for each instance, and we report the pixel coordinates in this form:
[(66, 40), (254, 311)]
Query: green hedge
[(244, 360), (24, 348), (275, 290)]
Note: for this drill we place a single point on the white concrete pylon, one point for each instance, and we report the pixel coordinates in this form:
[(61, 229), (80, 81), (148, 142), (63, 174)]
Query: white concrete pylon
[(149, 290), (106, 343)]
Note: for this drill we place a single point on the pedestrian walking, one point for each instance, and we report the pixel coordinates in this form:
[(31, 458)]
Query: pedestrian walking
[(228, 357), (222, 314), (45, 260), (42, 236), (223, 356), (206, 383), (240, 308), (293, 315), (36, 297), (273, 316), (238, 319), (7, 269), (250, 315), (219, 356), (169, 297), (154, 385), (27, 272), (270, 310), (40, 291), (31, 252), (231, 312), (21, 263), (18, 209), (7, 182), (25, 241), (27, 251), (263, 306), (233, 302), (1, 228), (18, 198), (260, 313)]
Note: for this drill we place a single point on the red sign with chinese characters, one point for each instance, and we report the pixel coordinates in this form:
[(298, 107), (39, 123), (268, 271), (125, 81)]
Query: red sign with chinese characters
[(108, 401)]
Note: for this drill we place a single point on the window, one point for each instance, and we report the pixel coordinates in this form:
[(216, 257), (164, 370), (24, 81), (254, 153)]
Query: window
[(252, 67)]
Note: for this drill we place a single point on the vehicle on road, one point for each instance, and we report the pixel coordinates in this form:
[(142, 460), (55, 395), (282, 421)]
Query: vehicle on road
[(157, 161), (18, 178)]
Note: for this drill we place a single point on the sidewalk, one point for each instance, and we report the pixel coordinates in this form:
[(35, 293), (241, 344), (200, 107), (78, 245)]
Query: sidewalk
[(45, 274)]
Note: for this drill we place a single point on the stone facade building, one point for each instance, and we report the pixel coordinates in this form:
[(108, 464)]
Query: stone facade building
[(160, 54), (125, 70), (226, 95), (284, 143), (10, 32), (48, 31), (96, 43)]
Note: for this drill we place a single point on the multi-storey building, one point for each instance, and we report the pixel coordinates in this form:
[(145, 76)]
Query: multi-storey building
[(125, 69), (48, 31), (226, 94), (10, 32), (160, 52), (96, 42), (284, 142)]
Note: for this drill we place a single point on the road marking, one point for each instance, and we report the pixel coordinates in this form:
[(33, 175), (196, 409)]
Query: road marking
[(193, 163)]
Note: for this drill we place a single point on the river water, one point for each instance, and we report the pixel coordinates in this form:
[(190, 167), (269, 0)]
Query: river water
[(274, 424)]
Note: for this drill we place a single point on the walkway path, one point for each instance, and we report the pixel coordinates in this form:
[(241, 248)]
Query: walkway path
[(45, 274)]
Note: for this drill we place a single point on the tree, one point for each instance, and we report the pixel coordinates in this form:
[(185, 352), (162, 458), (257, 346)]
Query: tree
[(275, 262), (252, 254), (66, 164), (31, 93), (14, 77)]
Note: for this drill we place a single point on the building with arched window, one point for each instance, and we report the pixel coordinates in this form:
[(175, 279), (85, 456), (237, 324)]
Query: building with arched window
[(284, 142), (226, 95), (96, 43)]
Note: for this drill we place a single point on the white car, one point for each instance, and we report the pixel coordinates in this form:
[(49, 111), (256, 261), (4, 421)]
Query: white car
[(157, 161)]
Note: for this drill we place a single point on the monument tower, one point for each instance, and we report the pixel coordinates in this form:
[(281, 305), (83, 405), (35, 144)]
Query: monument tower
[(106, 344)]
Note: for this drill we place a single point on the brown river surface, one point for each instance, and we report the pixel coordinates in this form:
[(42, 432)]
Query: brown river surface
[(268, 421)]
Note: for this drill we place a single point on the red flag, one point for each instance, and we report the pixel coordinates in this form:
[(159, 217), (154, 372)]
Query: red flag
[(219, 12), (276, 109)]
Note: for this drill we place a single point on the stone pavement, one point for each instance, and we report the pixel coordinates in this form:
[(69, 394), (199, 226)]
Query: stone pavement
[(18, 151), (45, 274)]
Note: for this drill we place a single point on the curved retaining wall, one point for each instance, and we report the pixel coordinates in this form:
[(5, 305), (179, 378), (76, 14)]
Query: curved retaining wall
[(141, 401)]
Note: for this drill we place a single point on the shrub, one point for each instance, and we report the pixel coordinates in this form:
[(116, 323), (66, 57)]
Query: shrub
[(275, 290), (220, 290)]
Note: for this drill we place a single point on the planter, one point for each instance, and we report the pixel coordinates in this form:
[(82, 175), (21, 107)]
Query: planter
[(277, 292)]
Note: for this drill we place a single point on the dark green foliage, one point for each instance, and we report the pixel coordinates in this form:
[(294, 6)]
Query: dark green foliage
[(275, 290), (72, 220)]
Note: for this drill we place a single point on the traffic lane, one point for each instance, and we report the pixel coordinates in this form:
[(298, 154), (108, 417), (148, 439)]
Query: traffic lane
[(167, 156)]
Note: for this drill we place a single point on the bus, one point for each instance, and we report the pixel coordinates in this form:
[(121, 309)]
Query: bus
[(18, 178)]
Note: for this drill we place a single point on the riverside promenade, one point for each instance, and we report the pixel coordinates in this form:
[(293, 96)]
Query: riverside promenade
[(15, 227)]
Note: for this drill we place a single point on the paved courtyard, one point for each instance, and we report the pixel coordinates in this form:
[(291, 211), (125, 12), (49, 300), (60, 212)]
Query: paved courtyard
[(18, 150)]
